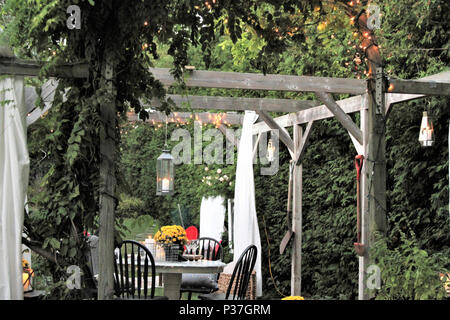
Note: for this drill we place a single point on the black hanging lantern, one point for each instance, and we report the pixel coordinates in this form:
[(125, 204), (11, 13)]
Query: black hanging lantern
[(165, 174)]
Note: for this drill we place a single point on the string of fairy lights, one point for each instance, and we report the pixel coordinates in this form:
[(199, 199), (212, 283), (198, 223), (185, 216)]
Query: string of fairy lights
[(183, 119)]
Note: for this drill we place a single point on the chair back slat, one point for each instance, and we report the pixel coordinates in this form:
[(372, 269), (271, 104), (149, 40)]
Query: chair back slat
[(127, 278), (242, 273), (136, 269), (146, 276), (133, 271), (138, 258)]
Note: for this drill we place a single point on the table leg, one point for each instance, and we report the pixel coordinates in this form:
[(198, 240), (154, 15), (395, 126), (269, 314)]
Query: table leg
[(172, 285)]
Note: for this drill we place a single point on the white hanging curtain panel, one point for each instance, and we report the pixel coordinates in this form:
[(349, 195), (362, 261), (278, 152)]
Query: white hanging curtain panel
[(14, 170), (246, 231), (212, 217)]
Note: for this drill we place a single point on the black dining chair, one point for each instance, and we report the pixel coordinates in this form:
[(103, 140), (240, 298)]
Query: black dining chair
[(240, 277), (211, 250), (133, 266)]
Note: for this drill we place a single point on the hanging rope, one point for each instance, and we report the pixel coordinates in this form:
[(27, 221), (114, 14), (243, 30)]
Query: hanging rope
[(165, 139), (269, 260)]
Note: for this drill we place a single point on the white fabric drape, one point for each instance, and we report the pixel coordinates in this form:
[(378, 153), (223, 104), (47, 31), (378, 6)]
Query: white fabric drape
[(246, 231), (212, 217), (14, 170)]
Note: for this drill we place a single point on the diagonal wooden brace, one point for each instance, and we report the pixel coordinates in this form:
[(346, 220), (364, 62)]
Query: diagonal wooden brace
[(340, 115)]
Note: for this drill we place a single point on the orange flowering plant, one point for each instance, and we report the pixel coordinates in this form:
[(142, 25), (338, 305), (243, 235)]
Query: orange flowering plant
[(171, 234)]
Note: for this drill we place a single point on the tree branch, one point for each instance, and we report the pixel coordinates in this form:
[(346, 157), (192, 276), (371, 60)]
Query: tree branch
[(47, 254)]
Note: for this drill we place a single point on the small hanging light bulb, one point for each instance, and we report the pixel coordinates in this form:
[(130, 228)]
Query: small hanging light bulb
[(270, 151)]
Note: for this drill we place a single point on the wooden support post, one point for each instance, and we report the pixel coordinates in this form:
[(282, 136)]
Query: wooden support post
[(107, 188), (296, 267), (376, 166), (364, 260)]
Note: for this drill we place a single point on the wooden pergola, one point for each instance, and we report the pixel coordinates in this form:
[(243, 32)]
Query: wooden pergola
[(373, 99)]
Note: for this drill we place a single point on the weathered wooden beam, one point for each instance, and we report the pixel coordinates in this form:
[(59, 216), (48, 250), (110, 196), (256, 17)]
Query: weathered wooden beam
[(363, 261), (296, 255), (107, 197), (349, 105), (47, 95), (254, 81), (376, 170), (32, 68), (429, 88), (281, 132), (393, 98), (340, 115), (304, 143), (238, 103)]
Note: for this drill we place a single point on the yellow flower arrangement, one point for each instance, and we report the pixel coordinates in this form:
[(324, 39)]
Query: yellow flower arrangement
[(25, 264), (27, 273), (171, 234), (293, 298)]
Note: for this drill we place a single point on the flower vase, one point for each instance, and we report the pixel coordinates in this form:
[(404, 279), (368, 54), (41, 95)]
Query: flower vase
[(172, 252)]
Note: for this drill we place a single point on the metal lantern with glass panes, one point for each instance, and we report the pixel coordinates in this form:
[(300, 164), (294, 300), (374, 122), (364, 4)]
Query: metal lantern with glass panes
[(165, 174), (426, 131)]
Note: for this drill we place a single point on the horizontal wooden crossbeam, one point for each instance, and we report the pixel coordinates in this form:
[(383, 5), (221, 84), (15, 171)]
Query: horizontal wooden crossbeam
[(255, 81), (238, 103), (429, 88), (204, 79), (393, 98), (32, 68)]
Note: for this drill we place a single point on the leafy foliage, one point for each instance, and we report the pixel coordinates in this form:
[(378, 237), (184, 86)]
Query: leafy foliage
[(408, 272)]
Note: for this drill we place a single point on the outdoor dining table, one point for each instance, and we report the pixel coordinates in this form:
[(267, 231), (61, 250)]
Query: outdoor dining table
[(172, 272)]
